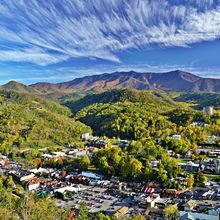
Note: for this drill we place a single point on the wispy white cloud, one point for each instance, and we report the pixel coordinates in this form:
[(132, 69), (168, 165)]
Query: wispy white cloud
[(47, 32)]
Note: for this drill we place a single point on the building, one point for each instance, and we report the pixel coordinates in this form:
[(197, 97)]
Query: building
[(22, 175), (208, 110), (189, 166), (154, 163), (155, 213), (124, 143), (41, 170), (91, 175), (58, 154), (85, 136), (196, 216), (217, 165), (69, 189), (199, 123), (121, 212), (152, 199), (176, 137), (212, 139), (33, 184), (190, 205)]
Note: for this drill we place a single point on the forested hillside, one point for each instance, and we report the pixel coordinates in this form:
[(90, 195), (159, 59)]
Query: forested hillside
[(30, 121), (125, 113), (200, 100), (19, 87), (143, 115)]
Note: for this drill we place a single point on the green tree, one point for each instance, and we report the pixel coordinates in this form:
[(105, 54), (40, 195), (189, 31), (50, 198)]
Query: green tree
[(84, 163), (103, 166), (101, 216), (190, 180), (138, 217), (200, 179), (83, 212), (171, 212), (9, 182), (135, 167)]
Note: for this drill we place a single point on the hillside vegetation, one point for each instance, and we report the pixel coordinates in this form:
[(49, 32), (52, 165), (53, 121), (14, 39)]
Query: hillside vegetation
[(30, 121), (19, 87), (125, 113), (200, 100)]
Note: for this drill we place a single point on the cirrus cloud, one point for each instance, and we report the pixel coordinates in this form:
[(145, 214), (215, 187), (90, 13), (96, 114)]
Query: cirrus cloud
[(48, 32)]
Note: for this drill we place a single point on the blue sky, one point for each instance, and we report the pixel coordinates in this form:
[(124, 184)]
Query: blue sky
[(55, 41)]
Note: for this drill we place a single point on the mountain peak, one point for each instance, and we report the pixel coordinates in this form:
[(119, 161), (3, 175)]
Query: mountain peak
[(19, 87), (176, 80)]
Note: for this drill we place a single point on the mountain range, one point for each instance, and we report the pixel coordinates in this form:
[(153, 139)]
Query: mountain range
[(169, 81)]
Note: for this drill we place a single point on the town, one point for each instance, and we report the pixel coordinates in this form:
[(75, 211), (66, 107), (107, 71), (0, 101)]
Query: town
[(109, 110), (114, 196)]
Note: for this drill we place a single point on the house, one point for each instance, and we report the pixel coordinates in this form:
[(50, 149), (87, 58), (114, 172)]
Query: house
[(3, 162), (162, 203), (124, 143), (85, 136), (154, 163), (172, 192), (176, 137), (91, 175), (22, 175), (40, 170), (189, 166), (58, 154), (152, 199), (190, 205), (215, 211), (97, 143), (196, 216), (154, 213), (33, 184), (47, 155), (121, 212), (199, 123), (69, 189), (211, 140)]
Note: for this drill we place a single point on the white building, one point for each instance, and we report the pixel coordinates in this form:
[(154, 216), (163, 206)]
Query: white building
[(22, 175), (176, 137), (208, 110), (69, 189), (86, 136)]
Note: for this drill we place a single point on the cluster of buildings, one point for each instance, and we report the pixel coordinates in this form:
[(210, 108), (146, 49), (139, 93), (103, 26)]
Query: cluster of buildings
[(121, 199), (117, 198)]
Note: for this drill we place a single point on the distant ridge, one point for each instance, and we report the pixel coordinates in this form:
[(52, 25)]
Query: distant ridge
[(169, 81), (19, 87)]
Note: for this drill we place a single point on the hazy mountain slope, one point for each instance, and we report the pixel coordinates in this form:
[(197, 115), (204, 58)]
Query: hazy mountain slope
[(170, 81), (19, 87)]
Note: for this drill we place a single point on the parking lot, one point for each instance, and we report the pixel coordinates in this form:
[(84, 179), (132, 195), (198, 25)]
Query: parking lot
[(95, 198)]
